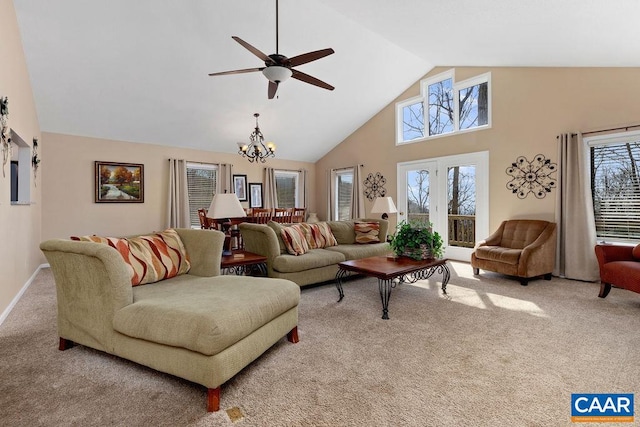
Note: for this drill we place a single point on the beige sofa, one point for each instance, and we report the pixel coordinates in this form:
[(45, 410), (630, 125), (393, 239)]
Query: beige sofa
[(317, 265), (199, 326)]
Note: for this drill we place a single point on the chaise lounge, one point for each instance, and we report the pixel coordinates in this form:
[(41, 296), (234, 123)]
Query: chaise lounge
[(196, 325)]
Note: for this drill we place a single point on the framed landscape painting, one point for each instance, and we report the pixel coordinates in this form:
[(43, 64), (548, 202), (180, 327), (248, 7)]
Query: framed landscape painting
[(119, 182), (255, 194)]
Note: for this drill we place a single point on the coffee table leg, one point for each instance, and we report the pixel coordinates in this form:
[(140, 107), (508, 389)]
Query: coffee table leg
[(385, 292), (446, 275), (339, 275)]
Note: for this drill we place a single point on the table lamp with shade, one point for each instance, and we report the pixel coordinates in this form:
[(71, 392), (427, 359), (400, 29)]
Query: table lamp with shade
[(225, 206), (384, 205)]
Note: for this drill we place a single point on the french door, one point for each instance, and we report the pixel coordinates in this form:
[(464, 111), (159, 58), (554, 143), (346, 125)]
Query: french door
[(452, 194)]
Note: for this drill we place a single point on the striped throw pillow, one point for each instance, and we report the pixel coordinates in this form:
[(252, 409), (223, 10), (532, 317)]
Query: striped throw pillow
[(319, 235), (367, 232), (150, 258), (294, 239)]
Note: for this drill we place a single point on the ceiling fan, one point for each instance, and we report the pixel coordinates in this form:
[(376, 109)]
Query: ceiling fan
[(279, 68)]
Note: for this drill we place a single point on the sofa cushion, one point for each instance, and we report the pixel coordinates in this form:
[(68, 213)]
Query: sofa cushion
[(367, 232), (499, 254), (358, 251), (315, 258), (294, 239), (318, 235), (206, 314), (343, 231), (150, 258)]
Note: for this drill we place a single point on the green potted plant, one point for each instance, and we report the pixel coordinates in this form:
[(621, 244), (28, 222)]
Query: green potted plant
[(416, 240)]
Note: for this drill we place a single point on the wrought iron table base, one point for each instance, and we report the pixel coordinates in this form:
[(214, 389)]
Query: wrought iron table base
[(385, 285)]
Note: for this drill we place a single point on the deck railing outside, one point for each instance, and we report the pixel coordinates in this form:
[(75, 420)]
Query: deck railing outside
[(461, 228)]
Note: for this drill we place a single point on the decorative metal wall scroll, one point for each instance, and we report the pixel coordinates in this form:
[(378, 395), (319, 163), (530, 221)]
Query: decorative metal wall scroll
[(532, 177), (5, 140), (374, 186)]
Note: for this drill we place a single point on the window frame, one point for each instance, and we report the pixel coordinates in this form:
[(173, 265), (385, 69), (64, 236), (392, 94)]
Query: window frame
[(457, 86), (336, 204), (600, 141), (296, 191)]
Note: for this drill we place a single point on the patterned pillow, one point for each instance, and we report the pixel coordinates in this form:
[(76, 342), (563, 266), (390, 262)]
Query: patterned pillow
[(367, 232), (150, 258), (294, 239), (319, 235)]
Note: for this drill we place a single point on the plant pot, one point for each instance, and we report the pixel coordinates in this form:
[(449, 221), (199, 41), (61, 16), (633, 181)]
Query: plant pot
[(423, 252)]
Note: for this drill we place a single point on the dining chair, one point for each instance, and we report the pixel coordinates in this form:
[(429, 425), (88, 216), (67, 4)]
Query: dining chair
[(299, 214), (261, 216), (283, 215)]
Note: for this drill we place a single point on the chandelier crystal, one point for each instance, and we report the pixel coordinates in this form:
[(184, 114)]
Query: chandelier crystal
[(257, 150)]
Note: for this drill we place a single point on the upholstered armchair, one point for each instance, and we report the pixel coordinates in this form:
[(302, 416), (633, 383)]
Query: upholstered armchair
[(619, 266), (523, 248)]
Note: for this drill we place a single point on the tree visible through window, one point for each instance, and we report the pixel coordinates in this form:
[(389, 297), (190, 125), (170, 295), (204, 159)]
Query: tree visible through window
[(615, 185)]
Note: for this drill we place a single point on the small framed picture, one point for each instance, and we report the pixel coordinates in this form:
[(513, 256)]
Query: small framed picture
[(119, 182), (240, 187), (255, 194)]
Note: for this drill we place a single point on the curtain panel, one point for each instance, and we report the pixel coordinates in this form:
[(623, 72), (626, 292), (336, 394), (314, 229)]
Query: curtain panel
[(575, 256), (178, 198)]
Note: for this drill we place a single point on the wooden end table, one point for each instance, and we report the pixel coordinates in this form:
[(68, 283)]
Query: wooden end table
[(241, 262), (390, 271)]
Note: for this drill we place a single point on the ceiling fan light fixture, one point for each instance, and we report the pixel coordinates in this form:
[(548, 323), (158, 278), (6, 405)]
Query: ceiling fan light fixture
[(276, 73)]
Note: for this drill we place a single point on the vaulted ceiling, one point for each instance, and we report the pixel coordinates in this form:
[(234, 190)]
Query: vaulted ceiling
[(137, 70)]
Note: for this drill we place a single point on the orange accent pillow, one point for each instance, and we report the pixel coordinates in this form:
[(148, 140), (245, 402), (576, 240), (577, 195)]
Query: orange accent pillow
[(367, 232), (150, 258), (294, 239)]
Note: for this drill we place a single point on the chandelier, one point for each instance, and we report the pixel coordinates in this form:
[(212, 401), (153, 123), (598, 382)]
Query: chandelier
[(256, 149)]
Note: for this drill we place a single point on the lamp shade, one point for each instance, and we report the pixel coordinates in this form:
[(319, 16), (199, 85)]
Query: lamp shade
[(225, 205), (383, 205)]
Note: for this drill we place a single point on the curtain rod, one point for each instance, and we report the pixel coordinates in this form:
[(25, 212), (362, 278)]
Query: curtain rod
[(625, 128), (345, 168)]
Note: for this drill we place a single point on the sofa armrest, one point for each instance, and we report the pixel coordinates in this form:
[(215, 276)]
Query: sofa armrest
[(92, 283), (260, 239), (494, 239), (543, 250), (204, 248)]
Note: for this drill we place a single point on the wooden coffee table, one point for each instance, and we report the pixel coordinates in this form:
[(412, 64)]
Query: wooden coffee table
[(242, 262), (390, 271)]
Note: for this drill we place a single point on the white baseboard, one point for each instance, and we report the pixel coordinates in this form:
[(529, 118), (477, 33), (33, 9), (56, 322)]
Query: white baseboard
[(15, 300)]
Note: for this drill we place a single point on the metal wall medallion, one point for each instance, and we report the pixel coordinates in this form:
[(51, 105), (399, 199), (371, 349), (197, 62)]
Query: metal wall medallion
[(532, 177), (374, 186)]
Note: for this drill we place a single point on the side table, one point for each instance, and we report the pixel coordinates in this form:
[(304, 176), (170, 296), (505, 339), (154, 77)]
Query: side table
[(241, 262)]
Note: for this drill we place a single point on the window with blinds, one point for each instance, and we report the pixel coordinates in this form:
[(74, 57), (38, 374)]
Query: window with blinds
[(344, 188), (201, 182), (615, 185), (287, 189)]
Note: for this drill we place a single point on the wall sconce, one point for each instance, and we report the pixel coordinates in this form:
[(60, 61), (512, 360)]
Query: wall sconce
[(5, 140), (35, 160)]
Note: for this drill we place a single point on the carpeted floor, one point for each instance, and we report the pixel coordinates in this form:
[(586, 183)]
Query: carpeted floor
[(493, 354)]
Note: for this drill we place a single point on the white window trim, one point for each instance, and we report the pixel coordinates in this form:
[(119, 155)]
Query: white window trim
[(424, 95)]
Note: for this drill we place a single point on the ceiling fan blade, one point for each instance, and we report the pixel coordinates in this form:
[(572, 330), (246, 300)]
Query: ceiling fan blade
[(299, 75), (253, 50), (273, 88), (246, 70), (310, 56)]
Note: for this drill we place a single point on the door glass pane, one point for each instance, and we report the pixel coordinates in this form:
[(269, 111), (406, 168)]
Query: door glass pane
[(418, 195), (461, 210)]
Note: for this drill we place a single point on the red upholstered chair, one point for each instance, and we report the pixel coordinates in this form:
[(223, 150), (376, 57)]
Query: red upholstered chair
[(619, 267)]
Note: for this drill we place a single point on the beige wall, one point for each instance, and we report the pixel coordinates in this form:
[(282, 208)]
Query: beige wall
[(19, 225), (68, 184), (530, 107)]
